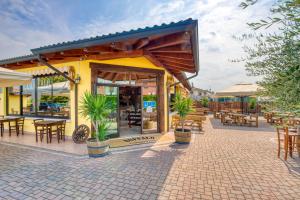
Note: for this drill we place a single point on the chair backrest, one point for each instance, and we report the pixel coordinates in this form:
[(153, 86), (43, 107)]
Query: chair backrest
[(37, 120), (280, 131), (20, 120)]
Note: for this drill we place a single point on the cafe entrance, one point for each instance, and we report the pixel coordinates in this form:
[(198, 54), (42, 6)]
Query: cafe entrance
[(133, 95)]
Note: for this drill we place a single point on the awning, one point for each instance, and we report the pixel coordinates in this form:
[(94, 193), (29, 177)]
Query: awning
[(9, 78), (48, 71), (239, 90)]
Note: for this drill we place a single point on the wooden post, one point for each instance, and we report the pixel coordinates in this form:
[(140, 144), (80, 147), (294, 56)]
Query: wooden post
[(161, 102)]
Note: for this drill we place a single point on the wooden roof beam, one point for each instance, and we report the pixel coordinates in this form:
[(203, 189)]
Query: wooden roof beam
[(121, 46), (175, 58), (141, 43), (175, 62), (126, 54), (177, 55), (180, 68), (169, 40)]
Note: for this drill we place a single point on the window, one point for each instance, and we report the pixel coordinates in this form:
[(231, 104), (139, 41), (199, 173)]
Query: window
[(46, 96), (14, 100)]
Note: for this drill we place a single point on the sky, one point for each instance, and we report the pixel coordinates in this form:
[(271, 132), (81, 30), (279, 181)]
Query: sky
[(27, 24)]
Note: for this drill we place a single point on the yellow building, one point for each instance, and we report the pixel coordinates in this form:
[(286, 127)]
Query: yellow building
[(114, 65)]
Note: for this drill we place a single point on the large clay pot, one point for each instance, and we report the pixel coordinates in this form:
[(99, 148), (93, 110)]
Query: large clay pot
[(148, 124), (97, 149), (183, 137)]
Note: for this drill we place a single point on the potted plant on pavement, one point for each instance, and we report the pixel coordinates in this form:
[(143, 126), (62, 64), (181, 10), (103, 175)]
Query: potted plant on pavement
[(97, 108), (183, 106)]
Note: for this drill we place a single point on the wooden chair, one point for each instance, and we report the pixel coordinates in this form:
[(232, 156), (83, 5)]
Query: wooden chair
[(1, 126), (194, 121), (40, 130), (217, 115), (282, 138), (54, 131), (16, 125), (290, 140), (294, 140), (226, 120), (252, 120), (61, 130)]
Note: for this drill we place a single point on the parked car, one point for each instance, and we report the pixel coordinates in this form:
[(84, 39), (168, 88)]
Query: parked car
[(49, 106)]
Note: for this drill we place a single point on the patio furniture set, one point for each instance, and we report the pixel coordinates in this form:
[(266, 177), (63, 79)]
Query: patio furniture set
[(233, 118), (15, 124), (288, 131), (193, 120), (48, 128)]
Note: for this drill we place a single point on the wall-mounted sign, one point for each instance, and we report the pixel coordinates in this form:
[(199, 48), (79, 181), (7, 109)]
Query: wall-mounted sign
[(149, 104)]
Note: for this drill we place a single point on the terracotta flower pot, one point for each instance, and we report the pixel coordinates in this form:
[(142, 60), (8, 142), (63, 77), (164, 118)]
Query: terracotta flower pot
[(148, 124), (182, 137), (97, 149)]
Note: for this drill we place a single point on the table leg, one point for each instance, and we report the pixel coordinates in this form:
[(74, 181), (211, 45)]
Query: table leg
[(291, 146), (298, 144)]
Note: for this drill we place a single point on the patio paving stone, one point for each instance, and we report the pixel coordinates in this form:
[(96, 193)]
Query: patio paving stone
[(223, 162)]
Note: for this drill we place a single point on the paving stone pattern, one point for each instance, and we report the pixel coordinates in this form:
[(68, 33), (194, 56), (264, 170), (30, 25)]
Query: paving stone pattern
[(220, 163)]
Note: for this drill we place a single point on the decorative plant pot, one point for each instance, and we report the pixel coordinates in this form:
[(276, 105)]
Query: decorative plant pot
[(97, 149), (182, 137), (148, 124)]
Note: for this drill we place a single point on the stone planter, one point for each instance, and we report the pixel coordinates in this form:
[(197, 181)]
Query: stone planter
[(97, 149), (182, 137)]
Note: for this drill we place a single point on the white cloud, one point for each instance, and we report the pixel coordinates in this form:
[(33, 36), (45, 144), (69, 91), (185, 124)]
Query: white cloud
[(218, 21)]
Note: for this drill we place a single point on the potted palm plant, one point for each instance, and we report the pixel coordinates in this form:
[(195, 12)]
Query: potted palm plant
[(97, 108), (183, 106)]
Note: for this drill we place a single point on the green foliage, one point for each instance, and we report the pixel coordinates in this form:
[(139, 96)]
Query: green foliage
[(276, 56), (204, 102), (97, 109), (150, 97), (183, 106), (252, 103)]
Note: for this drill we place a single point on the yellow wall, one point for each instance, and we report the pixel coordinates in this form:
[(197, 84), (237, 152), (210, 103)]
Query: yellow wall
[(2, 102), (83, 69)]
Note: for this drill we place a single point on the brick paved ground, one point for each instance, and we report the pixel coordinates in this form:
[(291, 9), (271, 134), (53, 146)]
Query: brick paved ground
[(221, 163)]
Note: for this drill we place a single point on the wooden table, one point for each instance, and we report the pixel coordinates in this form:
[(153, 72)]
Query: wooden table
[(238, 118), (47, 124), (290, 141), (297, 120), (8, 119)]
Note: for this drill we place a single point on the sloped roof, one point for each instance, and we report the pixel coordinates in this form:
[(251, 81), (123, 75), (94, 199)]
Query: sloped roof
[(173, 46), (10, 78), (241, 89)]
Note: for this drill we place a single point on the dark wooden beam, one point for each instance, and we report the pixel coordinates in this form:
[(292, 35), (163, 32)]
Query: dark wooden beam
[(44, 62), (118, 68), (141, 43), (174, 49), (152, 59), (127, 54), (180, 68), (115, 77), (176, 62), (178, 55), (174, 58), (169, 40), (121, 46)]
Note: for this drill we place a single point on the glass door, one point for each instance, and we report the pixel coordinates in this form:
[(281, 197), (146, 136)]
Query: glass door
[(112, 93)]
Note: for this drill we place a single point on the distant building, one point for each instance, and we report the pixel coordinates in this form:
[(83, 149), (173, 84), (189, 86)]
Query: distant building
[(197, 93)]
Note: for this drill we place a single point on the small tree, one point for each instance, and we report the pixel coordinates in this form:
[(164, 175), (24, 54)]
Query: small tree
[(204, 102), (183, 106), (97, 108)]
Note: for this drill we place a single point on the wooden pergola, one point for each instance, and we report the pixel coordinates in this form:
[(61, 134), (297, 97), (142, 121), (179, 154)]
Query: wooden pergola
[(173, 46)]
